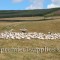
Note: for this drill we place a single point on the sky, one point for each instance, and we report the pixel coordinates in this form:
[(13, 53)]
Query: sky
[(28, 4)]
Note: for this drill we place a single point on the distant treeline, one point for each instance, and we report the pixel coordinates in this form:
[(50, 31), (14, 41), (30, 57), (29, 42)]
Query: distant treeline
[(26, 13)]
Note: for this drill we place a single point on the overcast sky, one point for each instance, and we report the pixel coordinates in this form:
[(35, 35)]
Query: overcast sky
[(28, 4)]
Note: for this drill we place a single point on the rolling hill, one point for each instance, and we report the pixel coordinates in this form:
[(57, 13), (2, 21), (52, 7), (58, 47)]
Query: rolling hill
[(28, 13), (44, 26)]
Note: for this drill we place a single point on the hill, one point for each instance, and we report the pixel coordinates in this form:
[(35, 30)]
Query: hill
[(27, 13), (44, 26)]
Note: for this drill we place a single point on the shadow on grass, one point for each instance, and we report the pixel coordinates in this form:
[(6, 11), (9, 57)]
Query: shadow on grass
[(24, 20)]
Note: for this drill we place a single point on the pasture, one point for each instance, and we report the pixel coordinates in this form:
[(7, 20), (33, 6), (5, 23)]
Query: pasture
[(32, 26)]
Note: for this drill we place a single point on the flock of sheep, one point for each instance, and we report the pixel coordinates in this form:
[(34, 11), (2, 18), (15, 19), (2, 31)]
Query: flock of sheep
[(28, 35)]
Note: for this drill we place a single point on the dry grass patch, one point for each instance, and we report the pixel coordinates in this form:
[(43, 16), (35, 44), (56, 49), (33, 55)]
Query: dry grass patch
[(41, 26)]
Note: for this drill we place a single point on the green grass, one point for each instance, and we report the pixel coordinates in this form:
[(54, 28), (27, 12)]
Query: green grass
[(26, 13)]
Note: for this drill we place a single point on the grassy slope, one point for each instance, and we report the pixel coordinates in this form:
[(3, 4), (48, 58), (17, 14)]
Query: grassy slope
[(24, 18), (26, 13), (42, 26), (54, 13), (38, 26)]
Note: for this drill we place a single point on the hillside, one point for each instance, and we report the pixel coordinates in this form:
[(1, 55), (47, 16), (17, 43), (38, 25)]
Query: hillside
[(39, 26), (27, 13), (54, 13)]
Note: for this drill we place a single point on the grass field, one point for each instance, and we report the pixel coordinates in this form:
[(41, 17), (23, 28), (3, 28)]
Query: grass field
[(23, 18), (38, 26)]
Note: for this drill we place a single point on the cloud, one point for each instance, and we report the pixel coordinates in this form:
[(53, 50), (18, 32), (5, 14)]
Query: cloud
[(54, 4), (36, 4), (17, 1)]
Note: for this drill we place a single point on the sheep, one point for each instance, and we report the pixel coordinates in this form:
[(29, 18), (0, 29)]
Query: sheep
[(29, 35)]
